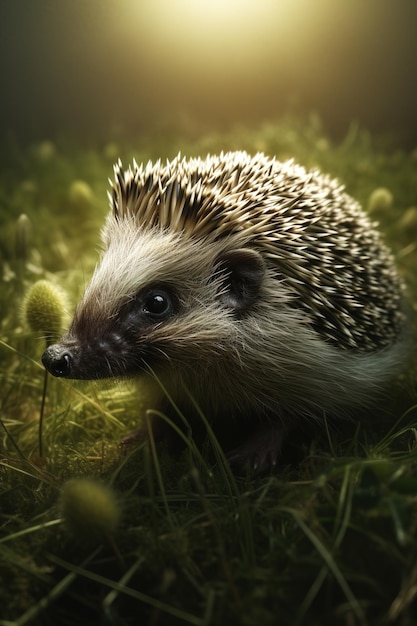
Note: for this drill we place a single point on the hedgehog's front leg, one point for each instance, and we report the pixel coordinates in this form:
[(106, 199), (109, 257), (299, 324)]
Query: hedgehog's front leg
[(157, 428)]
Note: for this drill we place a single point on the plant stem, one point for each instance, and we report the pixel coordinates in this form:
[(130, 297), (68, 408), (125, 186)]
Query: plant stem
[(45, 383)]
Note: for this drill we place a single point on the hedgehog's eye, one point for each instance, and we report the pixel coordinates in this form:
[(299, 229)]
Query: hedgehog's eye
[(158, 304)]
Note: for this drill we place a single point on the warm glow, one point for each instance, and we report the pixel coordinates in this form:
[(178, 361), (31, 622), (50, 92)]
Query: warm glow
[(213, 17), (216, 8), (144, 62), (216, 56), (218, 22), (210, 40)]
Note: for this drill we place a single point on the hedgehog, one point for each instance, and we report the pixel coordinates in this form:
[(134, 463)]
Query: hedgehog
[(258, 293)]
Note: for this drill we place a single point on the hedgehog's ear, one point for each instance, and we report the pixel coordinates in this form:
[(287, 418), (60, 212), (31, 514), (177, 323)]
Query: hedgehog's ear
[(242, 272)]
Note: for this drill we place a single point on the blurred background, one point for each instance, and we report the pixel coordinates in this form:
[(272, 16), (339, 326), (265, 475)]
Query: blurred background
[(86, 67)]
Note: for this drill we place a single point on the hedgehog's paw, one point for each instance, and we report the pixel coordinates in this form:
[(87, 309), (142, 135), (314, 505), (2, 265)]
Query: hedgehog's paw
[(161, 431), (261, 452)]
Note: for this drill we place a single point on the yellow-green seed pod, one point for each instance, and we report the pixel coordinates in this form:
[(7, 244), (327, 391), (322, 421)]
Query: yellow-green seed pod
[(80, 194), (90, 509), (44, 309), (380, 201)]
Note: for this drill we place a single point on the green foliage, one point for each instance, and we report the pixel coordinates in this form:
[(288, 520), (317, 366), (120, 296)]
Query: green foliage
[(329, 538)]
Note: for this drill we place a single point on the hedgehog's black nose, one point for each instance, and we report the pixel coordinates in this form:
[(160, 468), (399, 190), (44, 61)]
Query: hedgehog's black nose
[(57, 360)]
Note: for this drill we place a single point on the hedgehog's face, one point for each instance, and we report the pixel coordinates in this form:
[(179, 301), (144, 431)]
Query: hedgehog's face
[(157, 300)]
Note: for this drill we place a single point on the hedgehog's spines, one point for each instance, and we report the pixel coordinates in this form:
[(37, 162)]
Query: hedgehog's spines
[(315, 238)]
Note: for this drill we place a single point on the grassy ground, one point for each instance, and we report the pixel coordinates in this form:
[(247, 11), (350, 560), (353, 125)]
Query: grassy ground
[(331, 538)]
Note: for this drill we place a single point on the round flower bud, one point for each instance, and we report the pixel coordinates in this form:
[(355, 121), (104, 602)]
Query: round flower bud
[(380, 201), (89, 508), (44, 309), (80, 194)]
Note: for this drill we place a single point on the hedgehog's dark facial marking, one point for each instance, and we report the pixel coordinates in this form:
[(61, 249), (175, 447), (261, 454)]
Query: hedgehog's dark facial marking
[(243, 273), (115, 346)]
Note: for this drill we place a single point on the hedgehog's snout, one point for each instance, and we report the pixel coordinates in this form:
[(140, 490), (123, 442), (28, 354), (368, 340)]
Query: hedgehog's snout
[(57, 359)]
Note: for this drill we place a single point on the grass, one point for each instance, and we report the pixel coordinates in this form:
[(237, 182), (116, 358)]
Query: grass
[(330, 538)]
